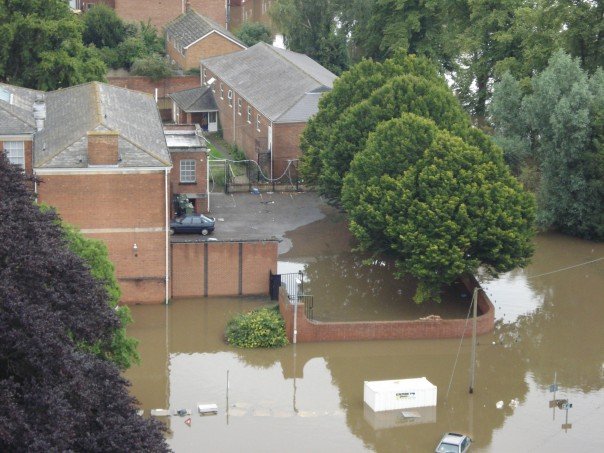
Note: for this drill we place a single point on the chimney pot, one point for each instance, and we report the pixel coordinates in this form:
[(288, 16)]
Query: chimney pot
[(39, 112)]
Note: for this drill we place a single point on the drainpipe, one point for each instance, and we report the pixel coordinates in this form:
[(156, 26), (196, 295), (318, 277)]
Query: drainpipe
[(208, 178), (234, 119), (270, 148), (167, 233)]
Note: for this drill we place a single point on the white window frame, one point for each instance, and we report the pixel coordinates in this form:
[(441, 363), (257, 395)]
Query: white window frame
[(249, 115), (221, 91), (15, 151), (258, 122), (204, 76), (239, 104), (187, 171), (230, 97)]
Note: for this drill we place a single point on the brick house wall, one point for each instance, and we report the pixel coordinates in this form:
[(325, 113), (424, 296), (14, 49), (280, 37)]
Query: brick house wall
[(212, 45), (160, 12), (316, 331), (222, 268), (286, 145), (121, 209), (234, 120), (199, 187)]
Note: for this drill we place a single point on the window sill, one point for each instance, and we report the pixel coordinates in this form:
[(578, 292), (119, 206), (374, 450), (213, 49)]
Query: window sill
[(187, 183)]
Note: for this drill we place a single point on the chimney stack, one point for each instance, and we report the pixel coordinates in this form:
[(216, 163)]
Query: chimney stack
[(39, 112)]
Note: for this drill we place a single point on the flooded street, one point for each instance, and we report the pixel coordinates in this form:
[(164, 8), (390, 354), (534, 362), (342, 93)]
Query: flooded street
[(309, 397)]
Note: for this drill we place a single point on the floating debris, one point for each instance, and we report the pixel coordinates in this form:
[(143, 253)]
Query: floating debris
[(182, 412), (160, 412), (140, 412), (207, 409), (499, 404), (514, 403), (188, 422)]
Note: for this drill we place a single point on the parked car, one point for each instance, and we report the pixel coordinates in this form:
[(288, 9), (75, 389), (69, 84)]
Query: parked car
[(193, 224), (453, 443)]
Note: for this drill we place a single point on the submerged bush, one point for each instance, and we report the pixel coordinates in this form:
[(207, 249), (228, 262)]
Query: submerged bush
[(260, 328)]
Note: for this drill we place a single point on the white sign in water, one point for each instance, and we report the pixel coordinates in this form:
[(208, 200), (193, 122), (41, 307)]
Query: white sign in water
[(399, 394)]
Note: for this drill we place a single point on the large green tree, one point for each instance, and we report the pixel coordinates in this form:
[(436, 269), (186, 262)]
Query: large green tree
[(401, 84), (420, 27), (251, 33), (558, 130), (311, 27), (103, 27), (42, 48), (441, 207), (119, 348)]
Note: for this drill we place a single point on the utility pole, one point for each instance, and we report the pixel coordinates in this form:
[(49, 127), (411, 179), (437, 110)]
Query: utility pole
[(473, 359)]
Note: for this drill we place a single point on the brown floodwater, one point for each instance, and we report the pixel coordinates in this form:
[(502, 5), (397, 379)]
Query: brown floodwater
[(309, 397)]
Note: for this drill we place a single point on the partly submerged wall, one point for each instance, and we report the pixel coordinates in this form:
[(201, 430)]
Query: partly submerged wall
[(222, 268), (429, 328)]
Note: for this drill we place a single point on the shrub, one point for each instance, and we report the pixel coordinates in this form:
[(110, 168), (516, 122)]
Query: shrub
[(260, 328), (154, 66)]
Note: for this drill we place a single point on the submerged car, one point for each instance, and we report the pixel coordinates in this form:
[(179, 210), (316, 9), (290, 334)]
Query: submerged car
[(193, 224), (453, 443)]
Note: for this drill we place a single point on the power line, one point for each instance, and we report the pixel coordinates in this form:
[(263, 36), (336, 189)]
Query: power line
[(565, 268)]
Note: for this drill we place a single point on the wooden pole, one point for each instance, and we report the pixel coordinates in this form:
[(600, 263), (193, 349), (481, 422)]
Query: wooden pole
[(473, 359)]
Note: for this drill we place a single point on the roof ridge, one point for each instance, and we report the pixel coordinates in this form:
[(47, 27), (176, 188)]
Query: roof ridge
[(277, 50), (102, 122), (176, 19)]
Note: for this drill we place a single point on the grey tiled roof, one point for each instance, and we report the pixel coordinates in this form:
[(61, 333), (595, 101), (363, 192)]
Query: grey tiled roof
[(17, 117), (72, 112), (191, 26), (195, 100), (273, 80)]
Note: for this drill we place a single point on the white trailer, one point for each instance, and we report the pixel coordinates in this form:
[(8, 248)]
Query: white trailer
[(399, 394)]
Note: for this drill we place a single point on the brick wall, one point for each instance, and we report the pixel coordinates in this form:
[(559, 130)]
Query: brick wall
[(200, 187), (211, 46), (102, 147), (160, 12), (314, 331), (222, 268), (121, 210), (233, 121), (164, 86), (286, 144), (247, 137)]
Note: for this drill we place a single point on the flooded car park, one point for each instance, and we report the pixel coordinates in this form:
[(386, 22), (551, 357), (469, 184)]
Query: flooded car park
[(309, 397)]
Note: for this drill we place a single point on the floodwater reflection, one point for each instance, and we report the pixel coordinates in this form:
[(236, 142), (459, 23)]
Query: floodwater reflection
[(309, 397)]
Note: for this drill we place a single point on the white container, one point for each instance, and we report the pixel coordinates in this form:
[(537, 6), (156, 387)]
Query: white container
[(398, 417), (399, 394)]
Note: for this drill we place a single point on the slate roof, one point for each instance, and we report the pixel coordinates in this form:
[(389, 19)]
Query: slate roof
[(192, 26), (195, 100), (281, 84), (17, 117), (74, 111)]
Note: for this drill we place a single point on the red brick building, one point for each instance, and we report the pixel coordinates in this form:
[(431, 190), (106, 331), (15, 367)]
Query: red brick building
[(192, 37), (265, 96), (189, 176), (105, 163), (101, 156), (160, 12)]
